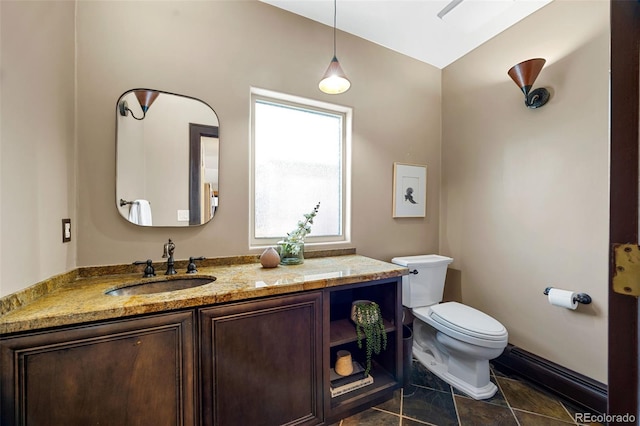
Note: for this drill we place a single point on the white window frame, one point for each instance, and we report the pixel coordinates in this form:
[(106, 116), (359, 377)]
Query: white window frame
[(309, 104)]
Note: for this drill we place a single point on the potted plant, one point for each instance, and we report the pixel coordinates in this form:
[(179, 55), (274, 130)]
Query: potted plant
[(291, 249), (370, 326)]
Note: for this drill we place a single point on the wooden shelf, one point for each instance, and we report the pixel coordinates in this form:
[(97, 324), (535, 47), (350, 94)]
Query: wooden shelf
[(344, 331), (382, 380)]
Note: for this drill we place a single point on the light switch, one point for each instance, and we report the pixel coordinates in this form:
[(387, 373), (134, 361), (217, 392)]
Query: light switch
[(66, 230), (183, 215)]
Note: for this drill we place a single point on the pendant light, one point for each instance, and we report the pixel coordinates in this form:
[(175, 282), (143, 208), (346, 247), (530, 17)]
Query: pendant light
[(334, 80)]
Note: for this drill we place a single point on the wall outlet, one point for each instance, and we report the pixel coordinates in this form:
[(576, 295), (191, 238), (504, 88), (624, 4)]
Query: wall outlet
[(66, 230), (183, 215)]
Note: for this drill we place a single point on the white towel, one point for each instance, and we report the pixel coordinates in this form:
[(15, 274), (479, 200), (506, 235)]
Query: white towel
[(140, 213)]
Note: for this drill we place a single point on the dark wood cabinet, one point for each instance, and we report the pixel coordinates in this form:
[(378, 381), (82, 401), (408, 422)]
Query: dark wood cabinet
[(261, 362), (129, 372), (258, 362), (340, 334)]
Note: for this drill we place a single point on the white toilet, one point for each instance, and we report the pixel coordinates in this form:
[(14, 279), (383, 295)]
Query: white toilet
[(453, 341)]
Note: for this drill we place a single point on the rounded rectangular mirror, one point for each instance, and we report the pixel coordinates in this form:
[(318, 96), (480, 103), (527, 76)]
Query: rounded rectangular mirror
[(167, 156)]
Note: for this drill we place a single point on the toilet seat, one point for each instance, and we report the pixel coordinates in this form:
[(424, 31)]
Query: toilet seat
[(464, 323)]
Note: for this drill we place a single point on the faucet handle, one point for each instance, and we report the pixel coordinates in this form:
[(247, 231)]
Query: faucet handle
[(148, 270), (191, 267)]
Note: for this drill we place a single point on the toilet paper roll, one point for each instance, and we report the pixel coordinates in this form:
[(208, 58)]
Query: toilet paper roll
[(563, 298)]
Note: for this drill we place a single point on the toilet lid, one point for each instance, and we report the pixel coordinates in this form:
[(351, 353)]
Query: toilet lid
[(467, 320)]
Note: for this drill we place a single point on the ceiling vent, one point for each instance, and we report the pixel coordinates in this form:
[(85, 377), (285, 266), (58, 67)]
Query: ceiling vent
[(469, 15)]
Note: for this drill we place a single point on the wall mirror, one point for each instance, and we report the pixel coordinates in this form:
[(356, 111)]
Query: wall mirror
[(167, 156)]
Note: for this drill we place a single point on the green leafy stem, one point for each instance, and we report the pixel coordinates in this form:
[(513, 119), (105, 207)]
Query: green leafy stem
[(294, 239)]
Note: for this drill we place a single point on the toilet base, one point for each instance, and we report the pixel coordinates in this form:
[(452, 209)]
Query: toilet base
[(441, 370)]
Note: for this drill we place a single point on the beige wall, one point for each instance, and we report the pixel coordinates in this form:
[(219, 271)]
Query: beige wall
[(37, 169), (525, 192), (216, 51)]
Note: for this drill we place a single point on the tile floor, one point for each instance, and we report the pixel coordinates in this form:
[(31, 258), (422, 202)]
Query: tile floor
[(430, 401)]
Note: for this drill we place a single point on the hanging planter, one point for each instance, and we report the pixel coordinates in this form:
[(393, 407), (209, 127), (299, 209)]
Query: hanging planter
[(370, 327)]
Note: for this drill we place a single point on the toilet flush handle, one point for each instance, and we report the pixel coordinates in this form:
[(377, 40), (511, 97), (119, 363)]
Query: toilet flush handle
[(414, 272)]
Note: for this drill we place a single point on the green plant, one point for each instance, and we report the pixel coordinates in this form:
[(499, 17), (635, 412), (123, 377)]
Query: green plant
[(292, 242), (370, 326)]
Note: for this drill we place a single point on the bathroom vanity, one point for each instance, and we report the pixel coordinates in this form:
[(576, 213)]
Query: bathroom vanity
[(255, 346)]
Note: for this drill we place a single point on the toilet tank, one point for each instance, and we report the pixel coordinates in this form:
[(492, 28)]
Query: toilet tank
[(424, 286)]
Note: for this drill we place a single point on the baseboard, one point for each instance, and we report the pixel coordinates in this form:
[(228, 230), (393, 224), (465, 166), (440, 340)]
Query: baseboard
[(574, 387)]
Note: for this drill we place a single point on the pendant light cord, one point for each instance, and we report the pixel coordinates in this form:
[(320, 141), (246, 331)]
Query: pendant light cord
[(335, 13)]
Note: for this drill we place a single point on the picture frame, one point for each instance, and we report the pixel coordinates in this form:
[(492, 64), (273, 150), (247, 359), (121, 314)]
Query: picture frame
[(409, 190)]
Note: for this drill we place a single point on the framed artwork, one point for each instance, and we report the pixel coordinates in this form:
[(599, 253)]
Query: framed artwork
[(409, 190)]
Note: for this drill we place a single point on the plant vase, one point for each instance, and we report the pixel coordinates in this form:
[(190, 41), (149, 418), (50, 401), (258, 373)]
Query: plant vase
[(291, 252), (369, 327)]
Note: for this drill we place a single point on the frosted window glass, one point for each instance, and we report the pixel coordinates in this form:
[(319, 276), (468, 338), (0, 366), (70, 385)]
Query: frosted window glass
[(298, 161)]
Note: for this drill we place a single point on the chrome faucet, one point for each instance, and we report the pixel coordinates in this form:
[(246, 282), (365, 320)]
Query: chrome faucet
[(169, 247)]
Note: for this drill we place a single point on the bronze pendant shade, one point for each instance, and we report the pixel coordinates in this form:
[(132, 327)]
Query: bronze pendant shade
[(145, 98), (524, 75), (334, 81)]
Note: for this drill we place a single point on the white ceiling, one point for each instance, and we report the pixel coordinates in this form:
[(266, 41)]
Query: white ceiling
[(413, 28)]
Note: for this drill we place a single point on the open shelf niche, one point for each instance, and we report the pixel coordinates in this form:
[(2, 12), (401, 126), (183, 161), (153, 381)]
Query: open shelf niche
[(386, 367)]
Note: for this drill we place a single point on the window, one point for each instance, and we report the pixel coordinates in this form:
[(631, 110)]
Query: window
[(299, 156)]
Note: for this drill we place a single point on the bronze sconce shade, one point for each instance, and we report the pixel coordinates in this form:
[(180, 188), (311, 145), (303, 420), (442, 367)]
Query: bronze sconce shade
[(524, 75), (145, 99)]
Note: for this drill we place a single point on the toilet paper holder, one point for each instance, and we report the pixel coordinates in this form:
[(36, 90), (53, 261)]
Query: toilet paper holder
[(583, 298)]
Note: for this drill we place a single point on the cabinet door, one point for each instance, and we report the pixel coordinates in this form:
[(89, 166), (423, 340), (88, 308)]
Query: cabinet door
[(130, 372), (261, 362)]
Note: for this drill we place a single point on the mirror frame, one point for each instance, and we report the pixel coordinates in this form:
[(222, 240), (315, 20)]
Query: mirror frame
[(196, 131)]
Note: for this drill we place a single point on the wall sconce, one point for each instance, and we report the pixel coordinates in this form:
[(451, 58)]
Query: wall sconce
[(145, 98), (524, 75), (334, 81)]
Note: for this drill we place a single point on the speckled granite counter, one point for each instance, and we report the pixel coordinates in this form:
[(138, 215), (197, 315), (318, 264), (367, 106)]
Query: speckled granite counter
[(83, 298)]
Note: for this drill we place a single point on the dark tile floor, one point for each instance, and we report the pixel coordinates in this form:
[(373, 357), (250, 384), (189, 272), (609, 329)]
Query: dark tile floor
[(430, 401)]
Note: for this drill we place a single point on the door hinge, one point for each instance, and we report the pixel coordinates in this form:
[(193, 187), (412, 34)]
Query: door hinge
[(626, 274)]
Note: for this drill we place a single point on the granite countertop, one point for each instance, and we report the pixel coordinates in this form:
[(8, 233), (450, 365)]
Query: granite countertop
[(83, 298)]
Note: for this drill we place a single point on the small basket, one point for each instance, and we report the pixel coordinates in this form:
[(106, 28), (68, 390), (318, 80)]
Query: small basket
[(344, 365)]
